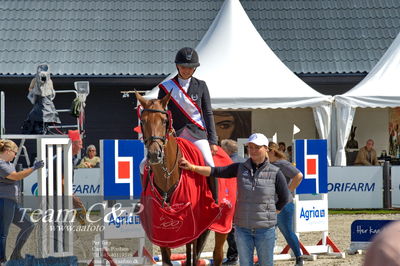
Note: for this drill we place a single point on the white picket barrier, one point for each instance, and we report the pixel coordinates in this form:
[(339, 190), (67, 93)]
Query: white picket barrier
[(55, 192)]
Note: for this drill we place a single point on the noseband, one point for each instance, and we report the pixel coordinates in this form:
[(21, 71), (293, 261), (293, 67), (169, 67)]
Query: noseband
[(164, 138)]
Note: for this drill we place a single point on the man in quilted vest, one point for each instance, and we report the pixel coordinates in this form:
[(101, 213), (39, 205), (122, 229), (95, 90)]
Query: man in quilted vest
[(262, 193)]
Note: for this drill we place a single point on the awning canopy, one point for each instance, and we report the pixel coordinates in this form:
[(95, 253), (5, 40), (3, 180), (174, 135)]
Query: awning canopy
[(242, 72), (380, 88)]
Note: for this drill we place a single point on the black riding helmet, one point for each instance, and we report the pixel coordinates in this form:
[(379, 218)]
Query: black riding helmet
[(187, 57)]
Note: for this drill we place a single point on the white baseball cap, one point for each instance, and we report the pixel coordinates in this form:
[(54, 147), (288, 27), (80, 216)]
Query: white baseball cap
[(258, 139)]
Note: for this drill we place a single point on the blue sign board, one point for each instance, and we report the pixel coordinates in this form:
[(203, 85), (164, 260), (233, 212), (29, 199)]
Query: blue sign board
[(311, 160), (365, 230), (121, 172)]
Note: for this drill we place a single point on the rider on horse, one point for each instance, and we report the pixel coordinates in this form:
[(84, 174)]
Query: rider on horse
[(186, 100), (190, 105)]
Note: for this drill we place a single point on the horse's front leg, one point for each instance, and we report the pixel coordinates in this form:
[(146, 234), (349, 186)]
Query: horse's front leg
[(195, 256), (218, 253), (201, 242), (188, 254), (166, 256)]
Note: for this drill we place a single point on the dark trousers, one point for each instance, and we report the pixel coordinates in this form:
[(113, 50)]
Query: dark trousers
[(10, 212), (232, 253)]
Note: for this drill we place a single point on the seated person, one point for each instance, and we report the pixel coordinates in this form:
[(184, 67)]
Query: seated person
[(90, 160), (367, 155)]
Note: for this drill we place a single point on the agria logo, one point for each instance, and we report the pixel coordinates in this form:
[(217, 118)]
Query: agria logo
[(121, 168), (311, 160), (312, 213), (35, 189)]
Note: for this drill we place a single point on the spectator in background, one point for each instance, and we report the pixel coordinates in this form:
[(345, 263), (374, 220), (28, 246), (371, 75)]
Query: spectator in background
[(90, 160), (282, 147), (285, 217), (385, 248), (76, 140), (367, 155), (231, 148), (290, 154)]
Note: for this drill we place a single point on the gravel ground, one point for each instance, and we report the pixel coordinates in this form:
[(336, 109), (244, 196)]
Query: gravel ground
[(339, 231)]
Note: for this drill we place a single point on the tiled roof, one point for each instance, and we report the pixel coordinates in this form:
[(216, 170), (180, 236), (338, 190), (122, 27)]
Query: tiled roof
[(131, 37)]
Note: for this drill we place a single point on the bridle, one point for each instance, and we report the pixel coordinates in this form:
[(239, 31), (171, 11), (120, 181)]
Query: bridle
[(164, 139), (168, 128)]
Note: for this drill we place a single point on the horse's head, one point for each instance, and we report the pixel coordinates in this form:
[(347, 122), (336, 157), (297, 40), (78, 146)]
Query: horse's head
[(156, 125)]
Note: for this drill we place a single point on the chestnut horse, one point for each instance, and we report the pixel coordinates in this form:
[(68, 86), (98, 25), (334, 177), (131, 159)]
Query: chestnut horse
[(163, 155)]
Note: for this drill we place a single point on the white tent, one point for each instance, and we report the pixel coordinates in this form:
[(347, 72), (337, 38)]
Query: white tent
[(242, 72), (380, 88)]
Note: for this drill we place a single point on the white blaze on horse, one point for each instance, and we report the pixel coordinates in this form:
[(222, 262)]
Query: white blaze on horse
[(179, 208)]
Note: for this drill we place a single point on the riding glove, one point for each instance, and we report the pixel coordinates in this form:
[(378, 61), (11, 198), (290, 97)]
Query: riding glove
[(38, 164)]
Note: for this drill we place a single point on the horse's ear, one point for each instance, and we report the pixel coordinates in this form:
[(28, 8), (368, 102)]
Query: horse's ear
[(164, 101), (141, 99)]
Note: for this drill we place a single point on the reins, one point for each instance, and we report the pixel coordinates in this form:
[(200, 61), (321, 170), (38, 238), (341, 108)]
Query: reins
[(164, 139)]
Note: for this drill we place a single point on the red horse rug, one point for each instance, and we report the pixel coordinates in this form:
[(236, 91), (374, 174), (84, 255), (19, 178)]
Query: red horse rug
[(191, 209)]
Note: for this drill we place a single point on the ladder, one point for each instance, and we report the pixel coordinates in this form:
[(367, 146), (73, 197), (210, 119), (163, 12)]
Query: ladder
[(74, 126)]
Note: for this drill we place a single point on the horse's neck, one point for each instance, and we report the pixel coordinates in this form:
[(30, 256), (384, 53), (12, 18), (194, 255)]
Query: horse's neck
[(172, 155)]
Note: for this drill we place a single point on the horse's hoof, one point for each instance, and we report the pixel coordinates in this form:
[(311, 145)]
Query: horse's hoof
[(138, 208), (230, 262)]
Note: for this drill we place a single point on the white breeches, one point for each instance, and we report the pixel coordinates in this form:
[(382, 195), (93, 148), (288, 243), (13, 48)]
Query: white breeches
[(202, 144)]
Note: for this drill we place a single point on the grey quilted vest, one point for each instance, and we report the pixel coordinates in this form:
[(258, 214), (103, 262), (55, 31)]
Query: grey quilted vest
[(255, 206)]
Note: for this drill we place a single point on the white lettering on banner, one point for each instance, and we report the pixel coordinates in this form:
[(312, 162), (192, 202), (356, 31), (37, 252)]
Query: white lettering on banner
[(349, 186), (308, 214), (369, 230)]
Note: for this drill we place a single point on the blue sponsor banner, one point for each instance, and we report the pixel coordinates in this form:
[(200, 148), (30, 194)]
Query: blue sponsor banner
[(121, 161), (311, 160), (365, 230)]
